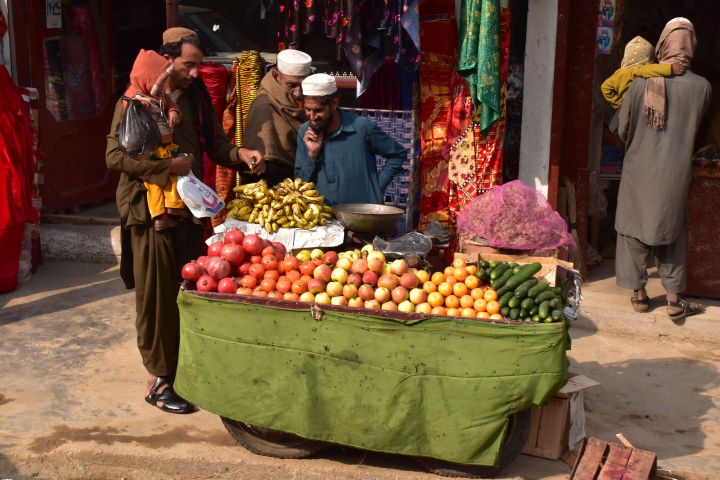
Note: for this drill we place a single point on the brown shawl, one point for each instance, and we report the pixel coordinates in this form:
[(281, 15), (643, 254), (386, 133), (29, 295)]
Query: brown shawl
[(273, 122), (676, 45)]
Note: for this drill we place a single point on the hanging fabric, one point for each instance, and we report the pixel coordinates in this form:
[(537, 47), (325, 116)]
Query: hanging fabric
[(215, 77)]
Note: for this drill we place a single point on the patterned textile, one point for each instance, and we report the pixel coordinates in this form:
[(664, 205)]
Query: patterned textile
[(475, 160), (479, 56), (438, 34)]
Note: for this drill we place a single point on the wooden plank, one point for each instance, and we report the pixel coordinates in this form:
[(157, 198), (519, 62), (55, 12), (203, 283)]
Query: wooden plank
[(590, 460), (641, 466), (616, 462)]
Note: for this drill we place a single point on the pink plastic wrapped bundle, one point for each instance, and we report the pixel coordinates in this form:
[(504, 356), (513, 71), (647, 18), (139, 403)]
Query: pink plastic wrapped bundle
[(514, 216)]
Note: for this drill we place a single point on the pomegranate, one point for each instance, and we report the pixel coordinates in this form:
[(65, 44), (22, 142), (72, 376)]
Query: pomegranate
[(252, 244), (217, 267), (233, 253), (206, 283), (244, 268), (227, 285), (280, 248), (234, 236), (201, 260), (192, 271), (266, 242), (215, 249)]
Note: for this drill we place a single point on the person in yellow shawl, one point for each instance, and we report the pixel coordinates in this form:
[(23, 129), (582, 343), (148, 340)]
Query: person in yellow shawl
[(636, 63)]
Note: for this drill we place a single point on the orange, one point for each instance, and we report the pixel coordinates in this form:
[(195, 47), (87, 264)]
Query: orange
[(472, 282), (460, 289), (429, 287), (490, 295), (438, 278), (453, 312), (436, 299), (423, 276), (480, 305), (492, 307), (460, 273), (451, 301), (445, 289), (451, 280), (477, 293), (448, 270), (466, 301), (482, 315), (459, 263), (496, 316), (471, 269), (468, 313), (439, 310)]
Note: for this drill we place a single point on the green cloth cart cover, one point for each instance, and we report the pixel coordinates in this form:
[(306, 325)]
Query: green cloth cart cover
[(416, 385)]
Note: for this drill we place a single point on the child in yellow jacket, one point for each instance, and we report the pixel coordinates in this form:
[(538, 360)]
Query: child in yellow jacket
[(635, 64)]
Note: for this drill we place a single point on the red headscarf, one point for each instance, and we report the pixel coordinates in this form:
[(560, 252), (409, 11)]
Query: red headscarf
[(148, 72)]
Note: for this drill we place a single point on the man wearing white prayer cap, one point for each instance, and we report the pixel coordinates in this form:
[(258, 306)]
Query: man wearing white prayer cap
[(336, 149), (276, 115)]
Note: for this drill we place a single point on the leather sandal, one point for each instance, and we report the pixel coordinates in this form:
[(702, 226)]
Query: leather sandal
[(640, 305), (686, 309), (168, 400)]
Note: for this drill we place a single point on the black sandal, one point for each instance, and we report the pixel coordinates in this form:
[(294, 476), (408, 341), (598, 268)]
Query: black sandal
[(168, 400), (640, 305), (688, 309)]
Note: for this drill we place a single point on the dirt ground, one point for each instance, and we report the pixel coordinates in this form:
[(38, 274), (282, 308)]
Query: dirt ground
[(71, 403)]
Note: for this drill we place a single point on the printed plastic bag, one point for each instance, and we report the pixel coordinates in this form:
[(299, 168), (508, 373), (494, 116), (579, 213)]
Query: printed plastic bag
[(514, 216), (199, 198), (139, 133)]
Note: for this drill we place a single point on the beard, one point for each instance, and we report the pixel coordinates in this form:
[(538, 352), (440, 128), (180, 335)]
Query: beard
[(318, 126)]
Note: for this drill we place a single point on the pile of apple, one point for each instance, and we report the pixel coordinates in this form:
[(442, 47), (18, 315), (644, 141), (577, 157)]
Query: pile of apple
[(249, 265)]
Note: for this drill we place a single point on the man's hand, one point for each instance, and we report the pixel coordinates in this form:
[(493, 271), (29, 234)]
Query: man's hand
[(173, 118), (313, 142), (253, 159), (181, 164), (677, 68)]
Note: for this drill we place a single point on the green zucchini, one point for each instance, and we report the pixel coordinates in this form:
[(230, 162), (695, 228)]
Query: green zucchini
[(555, 303), (533, 310), (499, 282), (525, 273), (539, 288), (514, 313), (544, 310), (528, 303), (505, 311), (556, 315), (514, 302), (546, 295), (499, 270), (521, 291), (523, 313), (505, 299)]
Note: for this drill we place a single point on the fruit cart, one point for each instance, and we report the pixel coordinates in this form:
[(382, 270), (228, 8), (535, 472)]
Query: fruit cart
[(288, 378)]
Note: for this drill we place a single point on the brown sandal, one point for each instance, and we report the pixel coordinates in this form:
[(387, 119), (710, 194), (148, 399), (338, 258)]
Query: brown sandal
[(686, 309), (640, 305)]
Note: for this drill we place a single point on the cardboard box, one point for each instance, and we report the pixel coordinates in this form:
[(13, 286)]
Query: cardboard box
[(559, 425), (549, 263)]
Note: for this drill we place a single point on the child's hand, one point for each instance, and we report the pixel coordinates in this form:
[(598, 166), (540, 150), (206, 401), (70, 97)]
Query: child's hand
[(174, 117), (677, 68)]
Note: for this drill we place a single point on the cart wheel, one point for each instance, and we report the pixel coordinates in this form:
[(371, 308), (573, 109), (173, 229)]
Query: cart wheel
[(271, 443), (515, 438)]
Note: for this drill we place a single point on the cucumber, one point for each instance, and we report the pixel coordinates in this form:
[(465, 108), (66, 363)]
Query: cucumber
[(555, 303), (523, 313), (556, 290), (499, 282), (533, 310), (546, 295), (556, 315), (480, 274), (535, 318), (525, 273), (498, 271), (548, 320), (514, 313), (521, 291), (544, 310), (484, 264), (505, 311), (539, 288), (505, 299), (493, 263), (502, 291), (528, 303), (516, 269), (514, 302)]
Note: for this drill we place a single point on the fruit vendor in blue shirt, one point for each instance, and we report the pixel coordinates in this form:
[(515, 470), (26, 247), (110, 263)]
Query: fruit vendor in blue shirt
[(337, 149)]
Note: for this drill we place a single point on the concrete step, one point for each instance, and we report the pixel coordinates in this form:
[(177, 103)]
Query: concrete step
[(80, 243)]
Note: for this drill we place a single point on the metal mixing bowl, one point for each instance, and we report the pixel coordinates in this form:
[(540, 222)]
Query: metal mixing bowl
[(368, 217)]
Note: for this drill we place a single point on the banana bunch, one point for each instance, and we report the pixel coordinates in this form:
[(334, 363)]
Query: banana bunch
[(290, 204)]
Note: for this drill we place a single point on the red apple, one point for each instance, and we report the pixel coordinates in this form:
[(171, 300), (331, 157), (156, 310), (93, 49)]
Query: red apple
[(376, 265), (366, 292), (398, 267), (370, 277), (354, 279), (339, 275), (334, 289), (388, 281), (344, 263), (206, 283), (399, 294), (234, 236), (227, 285), (392, 306), (409, 280), (322, 298), (350, 291), (316, 286), (340, 301), (330, 258), (322, 272), (407, 306), (356, 302), (372, 304), (293, 297), (359, 266), (418, 296), (382, 294), (307, 297)]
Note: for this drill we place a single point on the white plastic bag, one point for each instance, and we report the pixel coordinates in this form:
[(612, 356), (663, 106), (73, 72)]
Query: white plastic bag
[(199, 198)]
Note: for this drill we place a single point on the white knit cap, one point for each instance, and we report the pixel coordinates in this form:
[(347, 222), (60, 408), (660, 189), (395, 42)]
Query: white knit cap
[(679, 19), (294, 62), (319, 85)]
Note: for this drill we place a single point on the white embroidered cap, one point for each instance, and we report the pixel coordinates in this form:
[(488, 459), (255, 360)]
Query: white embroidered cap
[(294, 62), (319, 85), (679, 19)]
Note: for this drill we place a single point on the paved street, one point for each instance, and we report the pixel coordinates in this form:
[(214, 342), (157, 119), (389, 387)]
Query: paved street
[(71, 401)]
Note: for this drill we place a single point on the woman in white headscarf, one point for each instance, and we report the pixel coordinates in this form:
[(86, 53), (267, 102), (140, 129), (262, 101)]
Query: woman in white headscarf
[(659, 118)]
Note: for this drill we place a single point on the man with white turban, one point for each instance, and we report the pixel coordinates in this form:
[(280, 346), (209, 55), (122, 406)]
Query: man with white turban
[(276, 115), (659, 118), (337, 149)]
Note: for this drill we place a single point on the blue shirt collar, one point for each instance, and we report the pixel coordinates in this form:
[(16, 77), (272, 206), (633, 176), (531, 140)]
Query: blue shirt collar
[(346, 123)]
